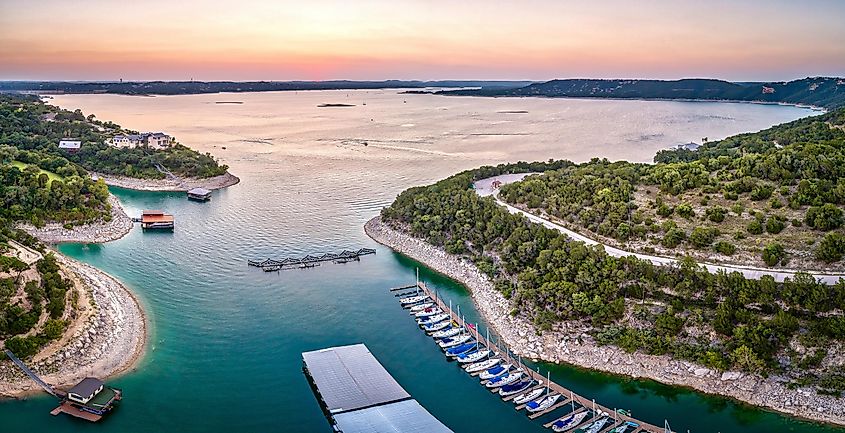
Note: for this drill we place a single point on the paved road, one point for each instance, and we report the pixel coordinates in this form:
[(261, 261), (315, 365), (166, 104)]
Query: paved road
[(485, 188)]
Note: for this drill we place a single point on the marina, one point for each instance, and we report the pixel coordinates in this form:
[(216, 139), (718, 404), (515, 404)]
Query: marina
[(358, 395), (311, 261), (513, 380)]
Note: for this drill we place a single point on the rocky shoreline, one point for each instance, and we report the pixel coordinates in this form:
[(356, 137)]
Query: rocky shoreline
[(572, 346), (107, 339), (99, 232), (180, 184)]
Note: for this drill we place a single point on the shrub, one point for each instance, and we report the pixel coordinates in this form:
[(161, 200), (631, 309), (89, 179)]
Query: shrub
[(754, 227), (685, 210), (775, 203), (761, 192), (702, 237), (831, 248), (773, 254), (673, 237), (737, 209), (725, 248), (716, 214), (775, 224), (664, 210), (826, 217), (730, 195)]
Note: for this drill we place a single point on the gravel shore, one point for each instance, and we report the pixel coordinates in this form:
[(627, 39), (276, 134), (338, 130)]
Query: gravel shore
[(183, 184), (568, 343), (109, 340), (55, 233)]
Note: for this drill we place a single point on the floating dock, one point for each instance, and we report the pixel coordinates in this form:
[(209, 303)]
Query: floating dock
[(359, 396), (577, 402), (199, 194), (156, 220), (310, 261)]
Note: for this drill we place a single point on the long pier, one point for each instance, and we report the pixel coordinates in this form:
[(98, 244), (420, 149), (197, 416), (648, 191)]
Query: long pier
[(568, 397), (310, 261)]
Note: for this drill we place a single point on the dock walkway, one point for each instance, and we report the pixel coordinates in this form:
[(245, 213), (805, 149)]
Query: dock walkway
[(309, 261), (568, 396)]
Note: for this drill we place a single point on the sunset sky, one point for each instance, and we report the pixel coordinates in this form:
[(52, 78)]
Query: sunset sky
[(394, 39)]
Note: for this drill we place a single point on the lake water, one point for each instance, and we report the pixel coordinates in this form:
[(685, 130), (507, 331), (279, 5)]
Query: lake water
[(224, 353)]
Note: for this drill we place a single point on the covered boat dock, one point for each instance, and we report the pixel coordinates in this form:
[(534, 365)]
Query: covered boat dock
[(358, 395)]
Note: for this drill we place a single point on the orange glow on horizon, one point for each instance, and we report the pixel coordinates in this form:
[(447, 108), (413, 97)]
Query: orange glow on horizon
[(374, 40)]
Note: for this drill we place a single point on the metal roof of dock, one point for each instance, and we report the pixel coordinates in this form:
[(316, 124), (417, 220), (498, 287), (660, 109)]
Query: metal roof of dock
[(406, 416), (350, 378), (362, 397)]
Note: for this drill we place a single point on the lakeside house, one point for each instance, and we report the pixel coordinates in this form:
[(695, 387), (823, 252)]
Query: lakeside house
[(70, 145), (156, 140), (691, 146)]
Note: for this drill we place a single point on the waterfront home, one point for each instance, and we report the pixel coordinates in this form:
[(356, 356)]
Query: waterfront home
[(70, 145), (84, 391), (156, 140)]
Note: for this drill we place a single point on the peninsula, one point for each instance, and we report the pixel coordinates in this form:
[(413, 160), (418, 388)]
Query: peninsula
[(768, 343), (70, 320)]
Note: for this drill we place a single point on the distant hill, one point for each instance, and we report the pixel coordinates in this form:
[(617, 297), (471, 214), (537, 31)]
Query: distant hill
[(827, 92), (195, 87)]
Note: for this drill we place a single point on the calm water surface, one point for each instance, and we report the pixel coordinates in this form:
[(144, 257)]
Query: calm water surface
[(224, 353)]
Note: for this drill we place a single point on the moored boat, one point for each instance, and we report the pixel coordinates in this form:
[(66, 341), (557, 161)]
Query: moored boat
[(597, 425), (413, 299), (432, 327), (515, 387), (494, 371), (542, 403), (463, 348), (482, 365), (503, 380), (622, 428), (432, 311), (420, 307), (447, 333), (529, 396), (476, 356), (454, 341), (570, 421), (432, 319)]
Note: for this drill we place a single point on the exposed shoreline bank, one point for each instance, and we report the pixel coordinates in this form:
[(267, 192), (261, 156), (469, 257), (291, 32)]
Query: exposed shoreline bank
[(109, 339), (569, 344), (100, 232), (183, 184)]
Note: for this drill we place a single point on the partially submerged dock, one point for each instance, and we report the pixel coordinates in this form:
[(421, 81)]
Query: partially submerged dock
[(359, 396), (576, 402), (310, 261)]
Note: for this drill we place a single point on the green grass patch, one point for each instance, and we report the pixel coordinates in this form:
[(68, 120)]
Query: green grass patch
[(50, 175)]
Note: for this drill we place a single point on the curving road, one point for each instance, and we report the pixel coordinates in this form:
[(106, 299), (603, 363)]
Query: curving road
[(484, 188)]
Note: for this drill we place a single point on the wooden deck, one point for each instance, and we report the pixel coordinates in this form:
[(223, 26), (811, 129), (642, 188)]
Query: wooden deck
[(554, 387), (69, 409)]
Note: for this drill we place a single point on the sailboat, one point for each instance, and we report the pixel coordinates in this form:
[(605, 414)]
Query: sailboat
[(494, 371), (476, 356), (529, 396), (448, 333), (503, 380), (515, 388), (454, 341), (596, 426), (483, 365), (420, 307), (570, 421)]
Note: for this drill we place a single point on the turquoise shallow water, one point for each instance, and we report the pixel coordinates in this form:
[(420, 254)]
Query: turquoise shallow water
[(226, 339)]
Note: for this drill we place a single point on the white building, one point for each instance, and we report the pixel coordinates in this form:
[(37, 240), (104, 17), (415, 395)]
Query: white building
[(70, 144), (156, 140)]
